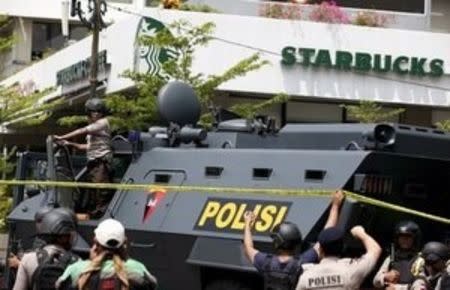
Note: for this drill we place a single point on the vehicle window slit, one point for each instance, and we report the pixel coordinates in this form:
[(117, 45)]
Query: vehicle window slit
[(262, 173), (213, 171), (315, 175)]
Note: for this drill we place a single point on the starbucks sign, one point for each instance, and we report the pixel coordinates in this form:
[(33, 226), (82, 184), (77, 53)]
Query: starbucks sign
[(149, 59), (81, 70), (362, 62)]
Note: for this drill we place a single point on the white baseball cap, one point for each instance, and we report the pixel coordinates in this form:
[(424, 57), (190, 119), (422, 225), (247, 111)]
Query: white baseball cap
[(110, 233)]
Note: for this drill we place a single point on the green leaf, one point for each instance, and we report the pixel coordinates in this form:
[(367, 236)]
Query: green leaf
[(371, 112), (250, 110), (444, 125)]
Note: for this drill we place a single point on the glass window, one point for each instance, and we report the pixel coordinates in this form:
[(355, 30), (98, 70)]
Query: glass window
[(440, 115), (393, 119), (303, 112), (47, 38)]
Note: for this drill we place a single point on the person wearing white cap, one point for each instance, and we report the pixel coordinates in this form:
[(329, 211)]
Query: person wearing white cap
[(109, 266)]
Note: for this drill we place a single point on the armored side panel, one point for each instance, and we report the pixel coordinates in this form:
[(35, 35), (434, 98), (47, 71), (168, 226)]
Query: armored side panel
[(197, 235)]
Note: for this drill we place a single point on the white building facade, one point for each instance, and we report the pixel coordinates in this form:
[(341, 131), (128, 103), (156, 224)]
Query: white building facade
[(320, 65)]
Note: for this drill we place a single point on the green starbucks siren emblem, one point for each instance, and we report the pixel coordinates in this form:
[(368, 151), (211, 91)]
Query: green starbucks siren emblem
[(149, 59)]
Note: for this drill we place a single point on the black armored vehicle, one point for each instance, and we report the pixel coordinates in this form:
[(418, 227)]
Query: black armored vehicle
[(193, 239)]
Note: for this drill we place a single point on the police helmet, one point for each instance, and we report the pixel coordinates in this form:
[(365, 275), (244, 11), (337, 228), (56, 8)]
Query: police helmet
[(435, 251), (58, 221), (409, 228), (95, 105), (286, 236), (39, 215)]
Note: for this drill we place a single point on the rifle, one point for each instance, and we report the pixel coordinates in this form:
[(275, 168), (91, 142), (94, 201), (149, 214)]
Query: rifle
[(391, 256)]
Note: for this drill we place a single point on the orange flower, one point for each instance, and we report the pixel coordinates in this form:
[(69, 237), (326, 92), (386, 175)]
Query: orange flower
[(171, 4)]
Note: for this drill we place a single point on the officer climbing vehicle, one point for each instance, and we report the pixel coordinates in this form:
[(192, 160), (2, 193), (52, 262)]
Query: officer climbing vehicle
[(193, 238)]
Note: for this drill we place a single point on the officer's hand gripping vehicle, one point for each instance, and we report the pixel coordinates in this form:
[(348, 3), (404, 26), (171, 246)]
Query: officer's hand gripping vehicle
[(193, 239)]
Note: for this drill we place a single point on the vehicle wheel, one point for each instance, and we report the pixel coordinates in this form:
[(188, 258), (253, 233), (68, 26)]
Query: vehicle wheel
[(227, 285)]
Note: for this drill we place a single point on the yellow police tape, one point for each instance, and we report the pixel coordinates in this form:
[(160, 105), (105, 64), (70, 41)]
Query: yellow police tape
[(232, 190)]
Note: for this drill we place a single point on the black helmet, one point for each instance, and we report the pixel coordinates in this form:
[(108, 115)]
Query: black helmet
[(95, 105), (286, 236), (409, 228), (435, 251), (39, 215), (59, 221)]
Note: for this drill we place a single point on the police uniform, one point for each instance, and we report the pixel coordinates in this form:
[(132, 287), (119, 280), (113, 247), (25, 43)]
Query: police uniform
[(440, 281), (406, 261), (434, 253), (29, 264), (333, 273), (405, 264), (98, 139), (99, 154)]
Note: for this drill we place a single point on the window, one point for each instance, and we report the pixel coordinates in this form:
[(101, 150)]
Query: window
[(393, 119), (439, 116), (48, 38), (302, 112)]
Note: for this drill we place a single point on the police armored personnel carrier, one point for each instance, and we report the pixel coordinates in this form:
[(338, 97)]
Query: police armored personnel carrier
[(193, 239)]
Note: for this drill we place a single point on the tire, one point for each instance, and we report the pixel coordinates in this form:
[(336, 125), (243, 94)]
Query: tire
[(227, 285)]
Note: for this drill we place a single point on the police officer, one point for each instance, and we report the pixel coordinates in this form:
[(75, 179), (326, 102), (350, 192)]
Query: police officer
[(98, 149), (109, 266), (335, 273), (57, 229), (281, 270), (436, 276), (14, 260), (399, 269)]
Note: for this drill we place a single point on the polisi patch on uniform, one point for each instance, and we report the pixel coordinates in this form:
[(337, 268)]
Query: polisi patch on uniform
[(227, 215), (325, 281)]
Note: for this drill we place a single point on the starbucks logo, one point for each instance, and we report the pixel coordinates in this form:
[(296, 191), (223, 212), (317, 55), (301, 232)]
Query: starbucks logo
[(149, 59)]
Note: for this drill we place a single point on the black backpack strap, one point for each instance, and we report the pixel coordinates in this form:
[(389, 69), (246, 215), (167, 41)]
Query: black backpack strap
[(67, 258), (42, 257), (294, 265), (117, 283), (295, 270), (299, 264), (94, 280)]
